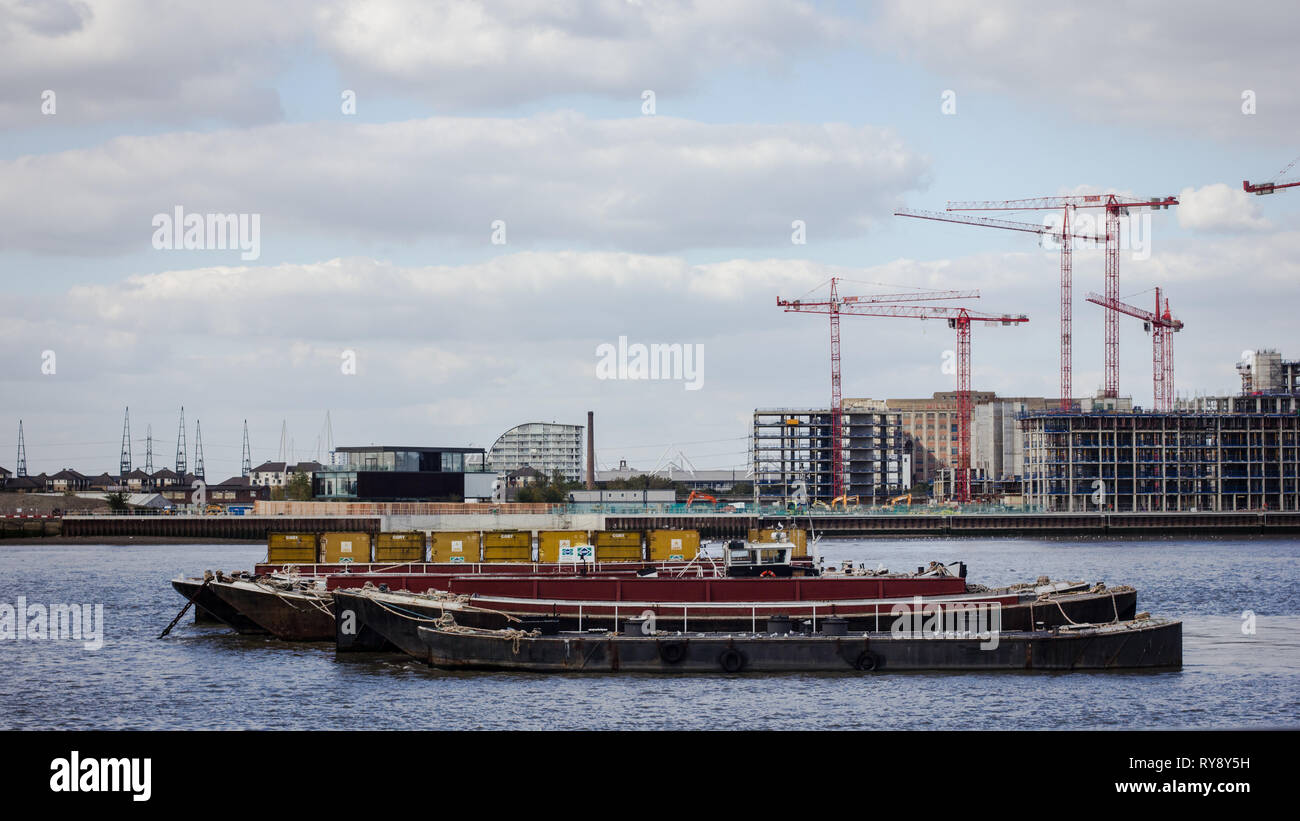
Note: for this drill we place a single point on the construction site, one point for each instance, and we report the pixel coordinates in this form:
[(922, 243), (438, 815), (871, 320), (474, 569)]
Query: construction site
[(1038, 454)]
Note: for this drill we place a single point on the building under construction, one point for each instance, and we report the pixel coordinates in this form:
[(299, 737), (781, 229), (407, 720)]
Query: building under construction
[(1246, 458), (793, 446)]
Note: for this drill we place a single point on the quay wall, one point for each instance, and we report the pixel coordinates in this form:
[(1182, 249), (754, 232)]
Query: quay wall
[(714, 526)]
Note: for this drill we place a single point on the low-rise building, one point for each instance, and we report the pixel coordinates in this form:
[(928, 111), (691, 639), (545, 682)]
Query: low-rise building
[(403, 473)]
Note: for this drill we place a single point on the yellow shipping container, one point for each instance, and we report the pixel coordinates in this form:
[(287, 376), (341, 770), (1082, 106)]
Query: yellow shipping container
[(618, 546), (673, 545), (507, 538), (560, 545), (797, 536), (454, 546), (508, 553), (630, 552), (341, 548), (404, 546), (291, 548), (610, 538)]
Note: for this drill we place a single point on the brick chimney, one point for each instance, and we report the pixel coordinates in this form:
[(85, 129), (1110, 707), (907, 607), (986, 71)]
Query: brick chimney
[(591, 451)]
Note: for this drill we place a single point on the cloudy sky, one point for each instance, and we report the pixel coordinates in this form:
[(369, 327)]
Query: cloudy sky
[(466, 199)]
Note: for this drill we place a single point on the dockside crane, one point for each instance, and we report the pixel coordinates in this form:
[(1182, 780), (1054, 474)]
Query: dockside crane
[(1115, 206), (1162, 326), (1063, 235), (959, 319), (833, 307)]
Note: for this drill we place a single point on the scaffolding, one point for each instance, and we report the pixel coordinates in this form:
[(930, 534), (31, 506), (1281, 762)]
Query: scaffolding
[(1179, 461), (791, 445)]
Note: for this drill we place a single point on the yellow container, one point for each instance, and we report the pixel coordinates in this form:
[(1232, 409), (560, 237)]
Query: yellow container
[(560, 545), (798, 537), (618, 546), (341, 548), (612, 538), (508, 553), (454, 546), (673, 545), (404, 546), (507, 538), (508, 546), (291, 548)]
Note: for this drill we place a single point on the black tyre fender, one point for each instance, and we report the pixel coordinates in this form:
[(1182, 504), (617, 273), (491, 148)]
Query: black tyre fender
[(732, 660), (672, 652), (867, 661)]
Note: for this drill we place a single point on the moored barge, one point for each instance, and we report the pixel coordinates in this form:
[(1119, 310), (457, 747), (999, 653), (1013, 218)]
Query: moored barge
[(1138, 644)]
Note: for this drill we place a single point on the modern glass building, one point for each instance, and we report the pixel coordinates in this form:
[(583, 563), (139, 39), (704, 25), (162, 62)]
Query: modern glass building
[(396, 473), (546, 447)]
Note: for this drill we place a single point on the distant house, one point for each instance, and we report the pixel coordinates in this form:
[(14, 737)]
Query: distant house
[(235, 490), (137, 480), (309, 468), (25, 484), (269, 474), (524, 476), (104, 482), (165, 478), (68, 479), (4, 476)]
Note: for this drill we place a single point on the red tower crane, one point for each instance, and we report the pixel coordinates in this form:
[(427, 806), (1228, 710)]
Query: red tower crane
[(1162, 325), (833, 307), (1062, 235), (1115, 206), (1262, 188), (958, 319)]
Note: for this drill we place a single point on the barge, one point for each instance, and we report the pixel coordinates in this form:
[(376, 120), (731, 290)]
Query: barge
[(389, 618), (211, 608), (1128, 645)]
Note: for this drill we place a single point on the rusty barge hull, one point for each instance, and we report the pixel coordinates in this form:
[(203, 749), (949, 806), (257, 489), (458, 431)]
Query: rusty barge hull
[(396, 620), (211, 608), (287, 615), (1149, 644), (378, 622)]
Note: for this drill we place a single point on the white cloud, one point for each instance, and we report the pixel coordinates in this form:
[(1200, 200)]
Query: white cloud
[(471, 55), (1219, 207), (124, 61), (128, 60), (649, 184), (1157, 64)]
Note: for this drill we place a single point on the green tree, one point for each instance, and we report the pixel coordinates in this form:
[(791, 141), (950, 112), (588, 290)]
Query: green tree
[(117, 502), (298, 488)]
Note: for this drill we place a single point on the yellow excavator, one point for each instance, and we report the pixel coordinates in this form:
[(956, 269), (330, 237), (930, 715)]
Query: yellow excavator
[(907, 497), (844, 501)]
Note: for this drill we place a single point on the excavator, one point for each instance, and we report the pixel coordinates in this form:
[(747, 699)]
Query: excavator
[(703, 497), (845, 501), (907, 497)]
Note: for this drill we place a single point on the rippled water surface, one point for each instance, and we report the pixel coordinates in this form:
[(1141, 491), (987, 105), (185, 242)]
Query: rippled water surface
[(203, 676)]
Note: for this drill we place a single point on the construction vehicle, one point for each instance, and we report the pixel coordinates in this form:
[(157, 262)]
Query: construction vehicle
[(906, 497), (820, 505), (704, 497), (845, 501)]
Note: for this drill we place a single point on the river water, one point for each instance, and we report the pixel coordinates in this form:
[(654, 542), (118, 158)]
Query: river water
[(207, 677)]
